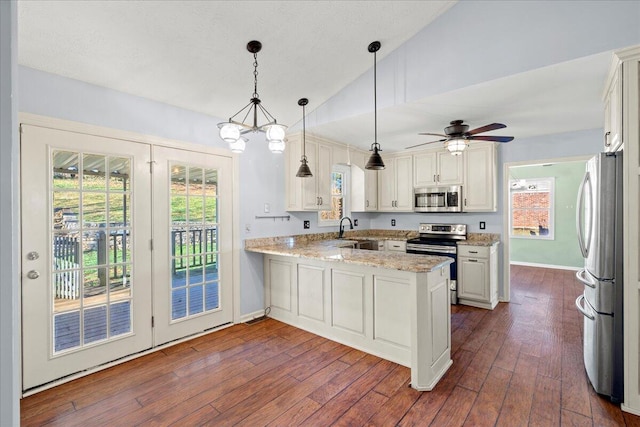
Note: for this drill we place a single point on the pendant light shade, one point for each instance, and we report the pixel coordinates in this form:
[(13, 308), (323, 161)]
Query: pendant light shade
[(303, 171), (231, 132), (375, 161)]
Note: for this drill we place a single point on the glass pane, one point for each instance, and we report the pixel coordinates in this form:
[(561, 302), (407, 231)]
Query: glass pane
[(178, 176), (196, 242), (93, 172), (65, 170), (179, 241), (195, 181), (66, 207), (336, 183), (210, 210), (211, 267), (119, 173), (120, 209), (212, 295), (95, 324), (211, 182), (178, 209), (196, 209), (95, 286), (178, 303), (196, 270), (120, 282), (66, 291), (91, 250), (179, 272), (211, 239), (119, 246), (66, 250), (120, 318), (66, 330), (94, 210), (195, 299)]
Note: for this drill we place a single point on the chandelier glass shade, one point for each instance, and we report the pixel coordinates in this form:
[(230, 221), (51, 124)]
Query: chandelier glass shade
[(231, 131)]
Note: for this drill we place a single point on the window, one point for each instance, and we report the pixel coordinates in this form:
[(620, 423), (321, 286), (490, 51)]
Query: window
[(339, 198), (531, 207)]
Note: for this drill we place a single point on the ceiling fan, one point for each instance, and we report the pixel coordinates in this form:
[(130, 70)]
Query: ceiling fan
[(457, 136)]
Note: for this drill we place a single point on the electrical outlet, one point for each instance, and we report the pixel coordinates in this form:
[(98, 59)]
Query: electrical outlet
[(393, 222), (482, 225), (307, 224), (355, 222)]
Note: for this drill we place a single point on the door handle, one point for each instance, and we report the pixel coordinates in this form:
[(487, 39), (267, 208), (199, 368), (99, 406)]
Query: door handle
[(581, 276), (33, 255), (606, 139), (584, 248), (582, 310), (33, 274)]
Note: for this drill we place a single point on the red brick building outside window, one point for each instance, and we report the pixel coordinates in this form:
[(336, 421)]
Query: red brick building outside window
[(532, 208)]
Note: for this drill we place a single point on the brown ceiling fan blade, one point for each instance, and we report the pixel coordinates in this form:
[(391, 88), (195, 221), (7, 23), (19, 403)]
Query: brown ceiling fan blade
[(433, 134), (425, 143), (486, 128), (492, 138)]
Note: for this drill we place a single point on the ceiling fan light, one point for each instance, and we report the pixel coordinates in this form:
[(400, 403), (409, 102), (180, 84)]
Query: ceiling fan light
[(275, 132), (229, 132), (238, 145), (276, 146), (456, 146)]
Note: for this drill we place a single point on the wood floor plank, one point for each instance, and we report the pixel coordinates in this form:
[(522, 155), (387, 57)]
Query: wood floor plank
[(519, 364)]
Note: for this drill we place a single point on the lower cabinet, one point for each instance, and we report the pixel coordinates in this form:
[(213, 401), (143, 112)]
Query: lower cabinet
[(396, 245), (478, 276), (400, 316)]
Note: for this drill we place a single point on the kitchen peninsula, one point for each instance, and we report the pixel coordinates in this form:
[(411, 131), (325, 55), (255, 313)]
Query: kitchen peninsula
[(390, 304)]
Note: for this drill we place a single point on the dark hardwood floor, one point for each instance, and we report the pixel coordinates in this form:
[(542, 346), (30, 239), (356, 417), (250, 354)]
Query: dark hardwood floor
[(520, 364)]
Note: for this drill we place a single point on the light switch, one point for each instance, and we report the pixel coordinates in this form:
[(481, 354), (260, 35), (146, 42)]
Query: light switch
[(267, 208)]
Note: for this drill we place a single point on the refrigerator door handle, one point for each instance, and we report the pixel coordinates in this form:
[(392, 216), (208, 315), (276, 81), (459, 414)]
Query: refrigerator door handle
[(581, 276), (584, 248), (582, 310)]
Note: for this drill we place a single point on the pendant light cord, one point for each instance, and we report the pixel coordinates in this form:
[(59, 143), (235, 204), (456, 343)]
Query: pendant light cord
[(375, 100), (255, 76), (304, 131)]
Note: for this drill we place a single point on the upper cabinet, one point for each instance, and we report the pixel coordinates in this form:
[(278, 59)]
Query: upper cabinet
[(395, 189), (613, 110), (312, 193), (479, 188), (437, 167)]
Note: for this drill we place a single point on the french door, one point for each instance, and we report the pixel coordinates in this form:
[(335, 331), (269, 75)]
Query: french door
[(125, 246)]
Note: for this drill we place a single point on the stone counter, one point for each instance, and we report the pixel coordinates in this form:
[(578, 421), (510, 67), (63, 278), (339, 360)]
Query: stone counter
[(481, 239)]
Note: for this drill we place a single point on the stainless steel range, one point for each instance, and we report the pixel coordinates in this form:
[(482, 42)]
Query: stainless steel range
[(440, 240)]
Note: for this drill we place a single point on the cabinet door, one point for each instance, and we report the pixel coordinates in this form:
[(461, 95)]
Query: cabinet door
[(404, 179), (293, 184), (425, 169), (480, 178), (324, 166), (371, 190), (472, 278), (612, 114), (387, 186), (450, 168), (310, 199)]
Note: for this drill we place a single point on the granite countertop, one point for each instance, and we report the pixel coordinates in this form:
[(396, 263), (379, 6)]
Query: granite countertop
[(331, 249), (481, 239)]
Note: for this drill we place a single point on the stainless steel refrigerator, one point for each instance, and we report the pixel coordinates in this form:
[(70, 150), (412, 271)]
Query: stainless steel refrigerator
[(600, 228)]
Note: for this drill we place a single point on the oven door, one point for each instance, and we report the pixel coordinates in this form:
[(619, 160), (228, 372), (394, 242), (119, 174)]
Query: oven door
[(448, 251)]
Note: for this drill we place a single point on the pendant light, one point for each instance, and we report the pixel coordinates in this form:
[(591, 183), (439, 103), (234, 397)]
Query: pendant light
[(232, 131), (303, 171), (375, 161)]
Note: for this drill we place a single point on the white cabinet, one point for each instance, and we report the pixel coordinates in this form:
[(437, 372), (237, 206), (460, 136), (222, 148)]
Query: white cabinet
[(370, 183), (395, 189), (312, 193), (479, 188), (433, 168), (478, 276), (396, 245), (613, 111)]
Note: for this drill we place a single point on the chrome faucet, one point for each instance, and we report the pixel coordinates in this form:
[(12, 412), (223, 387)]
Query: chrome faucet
[(341, 233)]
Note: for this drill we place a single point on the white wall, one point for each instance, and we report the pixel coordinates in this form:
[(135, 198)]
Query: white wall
[(9, 214)]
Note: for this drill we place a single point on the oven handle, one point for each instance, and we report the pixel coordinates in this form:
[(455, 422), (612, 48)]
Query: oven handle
[(427, 249)]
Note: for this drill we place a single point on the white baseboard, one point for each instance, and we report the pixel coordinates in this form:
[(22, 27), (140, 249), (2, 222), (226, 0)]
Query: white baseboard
[(250, 316), (634, 411), (533, 264)]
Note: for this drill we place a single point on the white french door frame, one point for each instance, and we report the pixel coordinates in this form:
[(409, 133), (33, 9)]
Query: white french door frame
[(236, 244)]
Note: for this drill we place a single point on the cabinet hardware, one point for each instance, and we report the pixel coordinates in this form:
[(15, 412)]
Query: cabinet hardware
[(473, 252), (434, 177), (606, 139), (465, 201), (438, 178), (472, 260), (367, 205)]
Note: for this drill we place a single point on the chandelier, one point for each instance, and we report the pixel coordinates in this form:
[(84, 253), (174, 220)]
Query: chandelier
[(232, 131)]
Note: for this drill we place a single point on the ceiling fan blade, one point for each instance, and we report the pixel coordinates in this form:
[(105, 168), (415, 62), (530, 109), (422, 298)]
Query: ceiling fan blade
[(492, 138), (433, 134), (486, 128), (425, 143)]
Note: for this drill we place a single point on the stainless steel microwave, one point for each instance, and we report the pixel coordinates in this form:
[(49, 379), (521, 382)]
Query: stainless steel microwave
[(438, 199)]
